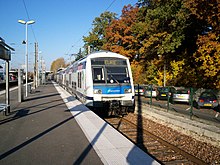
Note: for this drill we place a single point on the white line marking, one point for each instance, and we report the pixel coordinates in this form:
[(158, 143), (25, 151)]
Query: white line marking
[(111, 146)]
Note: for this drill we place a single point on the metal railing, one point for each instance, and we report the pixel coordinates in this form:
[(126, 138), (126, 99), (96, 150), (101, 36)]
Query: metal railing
[(194, 105)]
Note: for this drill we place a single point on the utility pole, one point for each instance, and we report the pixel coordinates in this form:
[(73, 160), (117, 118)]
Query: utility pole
[(36, 66), (41, 62), (164, 74), (89, 50), (35, 63)]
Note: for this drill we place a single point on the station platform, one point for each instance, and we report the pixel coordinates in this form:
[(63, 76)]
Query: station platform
[(52, 127)]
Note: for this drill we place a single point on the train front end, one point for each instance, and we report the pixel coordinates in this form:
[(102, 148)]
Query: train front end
[(112, 84)]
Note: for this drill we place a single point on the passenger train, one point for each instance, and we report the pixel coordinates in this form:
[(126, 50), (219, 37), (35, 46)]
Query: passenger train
[(102, 80)]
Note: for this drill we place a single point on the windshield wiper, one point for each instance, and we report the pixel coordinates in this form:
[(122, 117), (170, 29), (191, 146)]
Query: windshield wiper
[(114, 79), (109, 72)]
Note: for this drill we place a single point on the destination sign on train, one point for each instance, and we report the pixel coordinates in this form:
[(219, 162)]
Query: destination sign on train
[(109, 62)]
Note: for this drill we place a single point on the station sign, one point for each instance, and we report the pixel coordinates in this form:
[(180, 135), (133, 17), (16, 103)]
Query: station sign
[(5, 54)]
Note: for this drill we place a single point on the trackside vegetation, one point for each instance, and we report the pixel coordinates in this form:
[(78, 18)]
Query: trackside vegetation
[(178, 37)]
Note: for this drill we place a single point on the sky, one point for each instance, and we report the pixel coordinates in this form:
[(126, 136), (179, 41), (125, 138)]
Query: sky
[(58, 29)]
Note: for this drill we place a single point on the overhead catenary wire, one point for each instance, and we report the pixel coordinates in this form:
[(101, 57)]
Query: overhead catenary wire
[(29, 19)]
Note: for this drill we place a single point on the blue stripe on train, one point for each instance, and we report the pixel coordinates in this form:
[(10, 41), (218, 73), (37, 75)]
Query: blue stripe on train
[(112, 89)]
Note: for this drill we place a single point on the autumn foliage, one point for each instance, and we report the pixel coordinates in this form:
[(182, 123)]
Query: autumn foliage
[(119, 34), (58, 63), (181, 36)]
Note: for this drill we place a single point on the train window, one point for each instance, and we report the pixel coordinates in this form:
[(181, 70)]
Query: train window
[(98, 75), (117, 74), (79, 80), (69, 79)]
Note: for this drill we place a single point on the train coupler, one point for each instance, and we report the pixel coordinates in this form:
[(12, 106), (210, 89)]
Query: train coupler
[(116, 108)]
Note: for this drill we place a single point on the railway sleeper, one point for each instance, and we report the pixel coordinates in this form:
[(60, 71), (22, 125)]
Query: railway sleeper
[(164, 159), (152, 143), (157, 147), (126, 131), (183, 161), (161, 151), (172, 157)]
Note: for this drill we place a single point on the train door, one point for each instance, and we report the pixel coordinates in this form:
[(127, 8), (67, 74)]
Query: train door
[(74, 82), (64, 80), (79, 80)]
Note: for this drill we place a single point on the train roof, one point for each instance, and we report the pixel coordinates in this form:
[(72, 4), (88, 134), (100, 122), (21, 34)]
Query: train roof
[(106, 53), (102, 53)]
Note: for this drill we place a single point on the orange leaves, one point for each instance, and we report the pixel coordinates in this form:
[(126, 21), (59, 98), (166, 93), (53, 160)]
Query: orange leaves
[(137, 72), (186, 34), (207, 54), (58, 63), (205, 10), (119, 33)]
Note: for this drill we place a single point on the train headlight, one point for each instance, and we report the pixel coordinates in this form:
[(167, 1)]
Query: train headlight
[(97, 91), (127, 90)]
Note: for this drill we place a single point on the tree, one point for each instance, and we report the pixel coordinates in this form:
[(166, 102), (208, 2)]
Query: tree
[(96, 37), (119, 35), (181, 35), (58, 63), (161, 31), (207, 55), (137, 72)]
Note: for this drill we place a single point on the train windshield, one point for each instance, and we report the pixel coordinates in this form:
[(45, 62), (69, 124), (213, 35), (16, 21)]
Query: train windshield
[(110, 71), (116, 74)]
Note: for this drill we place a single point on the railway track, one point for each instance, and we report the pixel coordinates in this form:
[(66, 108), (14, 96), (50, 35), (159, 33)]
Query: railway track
[(161, 150)]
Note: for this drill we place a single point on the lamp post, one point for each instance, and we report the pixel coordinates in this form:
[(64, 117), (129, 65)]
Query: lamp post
[(164, 71), (39, 69), (26, 23), (164, 74)]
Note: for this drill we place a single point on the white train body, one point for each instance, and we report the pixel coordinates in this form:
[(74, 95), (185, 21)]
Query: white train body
[(100, 78)]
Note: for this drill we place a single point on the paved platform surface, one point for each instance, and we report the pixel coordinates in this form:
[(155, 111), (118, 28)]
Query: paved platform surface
[(41, 130), (52, 127)]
